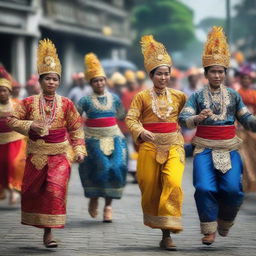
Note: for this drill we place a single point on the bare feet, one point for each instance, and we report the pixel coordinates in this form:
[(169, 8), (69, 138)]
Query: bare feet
[(14, 197), (93, 207), (107, 214)]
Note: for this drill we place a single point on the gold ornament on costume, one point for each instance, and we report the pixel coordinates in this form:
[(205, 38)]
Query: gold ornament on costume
[(93, 67), (155, 54), (216, 49), (47, 58)]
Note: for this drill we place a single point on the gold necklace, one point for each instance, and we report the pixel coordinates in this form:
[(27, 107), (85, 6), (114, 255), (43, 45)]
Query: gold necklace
[(155, 106), (97, 104)]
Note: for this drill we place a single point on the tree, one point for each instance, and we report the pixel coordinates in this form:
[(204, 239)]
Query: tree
[(169, 21), (207, 23), (243, 27)]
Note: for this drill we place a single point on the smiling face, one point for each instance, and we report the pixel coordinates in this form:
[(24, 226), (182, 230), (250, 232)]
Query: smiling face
[(161, 77), (98, 84), (215, 76), (49, 83)]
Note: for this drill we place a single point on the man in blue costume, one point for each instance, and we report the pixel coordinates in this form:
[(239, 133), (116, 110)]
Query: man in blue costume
[(217, 163)]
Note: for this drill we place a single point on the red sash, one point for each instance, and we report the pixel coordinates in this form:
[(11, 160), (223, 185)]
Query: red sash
[(100, 122), (54, 136), (161, 127), (219, 132), (3, 125)]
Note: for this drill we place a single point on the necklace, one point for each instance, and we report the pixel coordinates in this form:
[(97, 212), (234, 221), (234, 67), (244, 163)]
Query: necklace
[(222, 98), (6, 108), (97, 104), (47, 110), (155, 105)]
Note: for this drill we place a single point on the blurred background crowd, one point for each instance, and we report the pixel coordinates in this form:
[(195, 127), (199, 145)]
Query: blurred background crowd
[(112, 29)]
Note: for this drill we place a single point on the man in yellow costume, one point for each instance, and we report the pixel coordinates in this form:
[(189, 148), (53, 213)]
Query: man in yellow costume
[(152, 121)]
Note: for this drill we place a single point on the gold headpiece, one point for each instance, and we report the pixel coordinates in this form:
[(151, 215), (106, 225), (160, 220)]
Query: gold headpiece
[(118, 79), (141, 75), (5, 79), (93, 67), (216, 49), (47, 58), (130, 76), (155, 54)]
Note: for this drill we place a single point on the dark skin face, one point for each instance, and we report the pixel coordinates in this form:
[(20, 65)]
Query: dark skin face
[(98, 85), (246, 81), (161, 77), (49, 83), (16, 91), (4, 95), (215, 76)]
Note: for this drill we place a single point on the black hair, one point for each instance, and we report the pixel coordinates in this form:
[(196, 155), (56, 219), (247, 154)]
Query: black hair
[(152, 72), (206, 69)]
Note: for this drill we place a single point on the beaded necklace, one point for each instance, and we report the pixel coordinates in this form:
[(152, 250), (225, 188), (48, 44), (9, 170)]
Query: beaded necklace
[(155, 106), (52, 110), (97, 104), (222, 99)]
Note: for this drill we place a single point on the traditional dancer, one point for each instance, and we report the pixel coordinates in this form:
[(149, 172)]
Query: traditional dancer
[(12, 144), (217, 163), (48, 119), (152, 120), (103, 172)]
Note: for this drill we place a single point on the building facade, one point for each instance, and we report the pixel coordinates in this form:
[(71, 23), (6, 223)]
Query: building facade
[(76, 27)]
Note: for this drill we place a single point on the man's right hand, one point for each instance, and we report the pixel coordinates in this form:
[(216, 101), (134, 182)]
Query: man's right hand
[(203, 115), (147, 136), (37, 126)]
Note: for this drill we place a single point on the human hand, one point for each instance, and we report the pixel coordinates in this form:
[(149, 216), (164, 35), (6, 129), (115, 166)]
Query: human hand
[(203, 115), (147, 136), (79, 158), (38, 126)]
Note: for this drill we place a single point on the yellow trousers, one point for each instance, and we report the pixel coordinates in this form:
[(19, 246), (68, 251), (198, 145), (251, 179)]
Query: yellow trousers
[(160, 186)]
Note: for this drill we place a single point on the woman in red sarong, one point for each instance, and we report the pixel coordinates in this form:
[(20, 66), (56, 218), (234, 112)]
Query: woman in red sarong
[(50, 121), (12, 144)]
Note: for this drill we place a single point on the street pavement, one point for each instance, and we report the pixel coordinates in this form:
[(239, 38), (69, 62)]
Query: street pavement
[(126, 236)]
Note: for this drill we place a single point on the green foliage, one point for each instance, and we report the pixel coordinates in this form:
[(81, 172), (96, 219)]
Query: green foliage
[(169, 21), (207, 23)]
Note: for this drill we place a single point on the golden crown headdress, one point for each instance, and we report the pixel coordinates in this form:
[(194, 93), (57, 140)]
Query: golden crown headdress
[(47, 58), (93, 67), (5, 79), (155, 54), (216, 49)]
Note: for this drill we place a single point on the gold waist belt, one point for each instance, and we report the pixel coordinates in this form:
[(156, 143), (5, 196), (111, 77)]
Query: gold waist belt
[(41, 149), (163, 142), (220, 150)]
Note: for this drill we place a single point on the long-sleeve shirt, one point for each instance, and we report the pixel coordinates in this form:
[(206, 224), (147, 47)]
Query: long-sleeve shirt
[(229, 106), (141, 111)]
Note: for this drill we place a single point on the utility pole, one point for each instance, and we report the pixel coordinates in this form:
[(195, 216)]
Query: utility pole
[(228, 21)]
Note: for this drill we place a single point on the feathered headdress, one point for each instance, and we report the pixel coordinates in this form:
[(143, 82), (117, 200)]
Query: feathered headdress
[(5, 79), (93, 67), (155, 54), (47, 58), (216, 49)]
